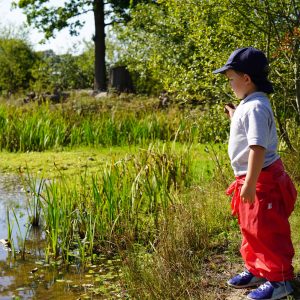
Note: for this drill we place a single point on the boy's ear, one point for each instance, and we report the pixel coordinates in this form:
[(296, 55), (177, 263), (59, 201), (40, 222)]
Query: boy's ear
[(247, 78)]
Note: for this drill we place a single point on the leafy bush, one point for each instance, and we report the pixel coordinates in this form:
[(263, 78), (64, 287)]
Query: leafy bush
[(16, 62)]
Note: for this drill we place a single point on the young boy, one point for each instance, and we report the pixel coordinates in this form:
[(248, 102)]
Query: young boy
[(263, 194)]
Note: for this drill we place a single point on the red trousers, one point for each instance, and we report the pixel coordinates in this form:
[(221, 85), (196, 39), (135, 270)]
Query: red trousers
[(267, 249)]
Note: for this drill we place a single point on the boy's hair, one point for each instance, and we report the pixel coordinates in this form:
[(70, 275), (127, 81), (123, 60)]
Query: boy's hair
[(253, 62), (258, 82)]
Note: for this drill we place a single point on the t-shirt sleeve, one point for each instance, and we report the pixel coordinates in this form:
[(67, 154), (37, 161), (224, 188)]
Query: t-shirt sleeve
[(256, 124)]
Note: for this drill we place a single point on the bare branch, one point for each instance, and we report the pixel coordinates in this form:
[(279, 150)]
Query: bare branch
[(108, 12), (82, 13), (114, 22)]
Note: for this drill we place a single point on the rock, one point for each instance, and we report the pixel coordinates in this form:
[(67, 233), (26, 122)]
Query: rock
[(34, 270), (5, 243), (101, 95)]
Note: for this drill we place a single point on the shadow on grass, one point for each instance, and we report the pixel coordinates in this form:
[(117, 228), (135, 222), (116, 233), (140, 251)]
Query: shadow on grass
[(296, 286)]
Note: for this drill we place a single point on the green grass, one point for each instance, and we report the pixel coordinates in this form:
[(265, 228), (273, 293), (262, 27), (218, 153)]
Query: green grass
[(128, 178), (125, 197), (68, 162), (167, 234), (75, 161), (43, 127)]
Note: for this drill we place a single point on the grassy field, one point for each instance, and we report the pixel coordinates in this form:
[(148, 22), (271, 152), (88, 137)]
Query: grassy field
[(126, 177), (74, 161)]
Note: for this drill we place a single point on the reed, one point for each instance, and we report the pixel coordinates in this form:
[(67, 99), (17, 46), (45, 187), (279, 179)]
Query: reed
[(124, 201), (10, 240), (42, 127), (11, 219), (34, 186), (197, 231)]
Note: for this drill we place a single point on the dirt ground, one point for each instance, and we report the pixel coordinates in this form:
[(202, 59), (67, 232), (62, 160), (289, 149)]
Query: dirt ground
[(241, 294), (219, 270)]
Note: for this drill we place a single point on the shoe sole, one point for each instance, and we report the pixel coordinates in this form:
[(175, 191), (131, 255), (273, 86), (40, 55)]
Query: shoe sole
[(280, 296), (253, 284)]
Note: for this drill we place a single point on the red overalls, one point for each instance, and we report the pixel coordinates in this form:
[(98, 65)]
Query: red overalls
[(267, 248)]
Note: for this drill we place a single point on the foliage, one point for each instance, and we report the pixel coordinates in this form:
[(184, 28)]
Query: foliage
[(179, 44), (63, 72), (85, 64), (44, 72), (176, 45), (50, 18), (16, 62)]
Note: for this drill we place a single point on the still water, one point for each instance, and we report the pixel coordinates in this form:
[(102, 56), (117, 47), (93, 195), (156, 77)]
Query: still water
[(31, 277)]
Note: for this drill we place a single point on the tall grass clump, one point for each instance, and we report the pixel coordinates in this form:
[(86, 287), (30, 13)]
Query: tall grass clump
[(195, 242), (198, 245), (122, 203), (291, 158), (189, 251), (42, 127), (20, 236), (34, 187)]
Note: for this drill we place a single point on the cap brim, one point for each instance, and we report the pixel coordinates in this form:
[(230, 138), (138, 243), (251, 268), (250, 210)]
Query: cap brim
[(222, 69)]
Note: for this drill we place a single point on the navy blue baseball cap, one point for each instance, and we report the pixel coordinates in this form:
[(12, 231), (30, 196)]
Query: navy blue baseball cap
[(253, 62)]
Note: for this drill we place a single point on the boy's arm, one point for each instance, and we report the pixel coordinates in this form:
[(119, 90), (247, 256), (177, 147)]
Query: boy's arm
[(255, 164)]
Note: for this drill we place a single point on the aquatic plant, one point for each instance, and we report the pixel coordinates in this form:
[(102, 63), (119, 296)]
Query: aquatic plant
[(34, 186), (123, 201), (20, 235), (10, 241)]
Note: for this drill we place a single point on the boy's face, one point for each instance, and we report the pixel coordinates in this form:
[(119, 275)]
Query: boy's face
[(240, 83)]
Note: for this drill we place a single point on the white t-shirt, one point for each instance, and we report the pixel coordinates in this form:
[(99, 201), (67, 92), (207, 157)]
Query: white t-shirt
[(252, 124)]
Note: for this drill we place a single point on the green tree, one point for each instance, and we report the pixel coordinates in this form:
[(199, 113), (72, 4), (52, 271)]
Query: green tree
[(50, 18), (16, 61), (44, 71), (85, 62), (280, 23), (65, 71), (177, 44)]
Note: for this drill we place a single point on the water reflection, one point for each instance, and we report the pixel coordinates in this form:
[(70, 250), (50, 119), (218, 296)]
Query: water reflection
[(12, 200), (33, 277), (17, 277)]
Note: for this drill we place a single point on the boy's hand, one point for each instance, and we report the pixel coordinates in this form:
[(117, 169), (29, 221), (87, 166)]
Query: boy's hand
[(247, 193), (229, 109), (255, 163)]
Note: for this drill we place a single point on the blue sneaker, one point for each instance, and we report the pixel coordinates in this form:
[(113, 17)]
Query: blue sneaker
[(271, 291), (244, 280)]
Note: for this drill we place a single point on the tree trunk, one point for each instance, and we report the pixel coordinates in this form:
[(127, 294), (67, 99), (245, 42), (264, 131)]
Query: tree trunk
[(99, 40)]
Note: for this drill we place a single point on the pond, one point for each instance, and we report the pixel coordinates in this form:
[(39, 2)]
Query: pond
[(29, 276)]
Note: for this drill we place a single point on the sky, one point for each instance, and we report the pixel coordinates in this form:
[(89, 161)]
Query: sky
[(61, 44)]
